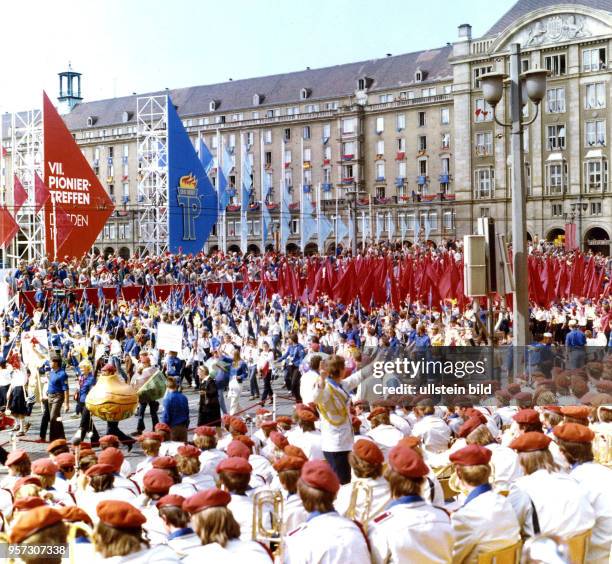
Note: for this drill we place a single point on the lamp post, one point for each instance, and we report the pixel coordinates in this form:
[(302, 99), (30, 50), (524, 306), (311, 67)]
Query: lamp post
[(579, 209), (351, 196), (533, 85)]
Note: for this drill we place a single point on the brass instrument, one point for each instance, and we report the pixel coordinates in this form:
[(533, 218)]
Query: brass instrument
[(4, 539), (112, 399), (73, 530), (455, 484), (360, 509), (268, 520)]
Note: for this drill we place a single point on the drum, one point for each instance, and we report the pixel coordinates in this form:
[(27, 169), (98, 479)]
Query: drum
[(154, 388)]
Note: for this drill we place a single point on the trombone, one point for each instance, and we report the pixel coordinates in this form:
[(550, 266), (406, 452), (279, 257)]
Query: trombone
[(268, 508), (360, 504)]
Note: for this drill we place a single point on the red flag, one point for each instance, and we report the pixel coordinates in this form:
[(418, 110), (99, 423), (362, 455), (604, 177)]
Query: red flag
[(8, 227), (4, 152), (20, 196), (570, 237), (41, 193)]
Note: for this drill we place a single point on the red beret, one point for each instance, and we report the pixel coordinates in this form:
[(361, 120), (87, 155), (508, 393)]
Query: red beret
[(32, 521), (472, 423), (269, 425), (553, 408), (112, 456), (284, 419), (189, 451), (410, 441), (99, 470), (368, 451), (306, 415), (30, 502), (406, 462), (377, 411), (237, 448), (109, 368), (204, 431), (120, 514), (238, 425), (162, 427), (157, 481), (262, 411), (234, 464), (528, 442), (319, 474), (74, 514), (150, 436), (473, 412), (24, 481), (44, 467), (170, 500), (574, 433), (212, 497), (289, 463), (164, 462), (279, 440), (246, 441), (226, 419), (355, 422), (16, 456), (56, 443), (291, 450), (526, 416), (65, 459), (577, 411), (471, 455), (109, 439)]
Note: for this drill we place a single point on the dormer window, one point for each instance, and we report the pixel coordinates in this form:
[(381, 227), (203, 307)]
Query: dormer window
[(126, 116), (304, 93), (361, 84), (257, 99), (91, 120), (214, 104), (418, 75)]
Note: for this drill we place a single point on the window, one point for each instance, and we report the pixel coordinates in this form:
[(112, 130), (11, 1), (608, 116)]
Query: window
[(484, 143), (268, 136), (557, 210), (255, 115), (331, 105), (596, 175), (484, 182), (444, 116), (287, 134), (555, 64), (287, 157), (479, 71), (595, 96), (448, 220), (232, 141), (288, 178), (556, 174), (593, 59), (595, 133), (380, 147), (250, 138), (445, 141), (448, 89), (380, 171), (214, 142), (422, 168), (401, 145), (421, 119), (113, 231), (401, 169), (380, 124), (327, 175), (268, 158), (307, 154), (482, 111), (485, 212), (361, 84), (428, 92), (445, 165), (384, 98), (410, 94), (595, 208), (327, 153), (422, 142), (524, 65), (308, 177), (556, 137), (555, 100), (348, 149), (326, 132), (295, 226), (347, 171), (306, 132), (310, 109), (433, 220), (400, 122), (349, 125)]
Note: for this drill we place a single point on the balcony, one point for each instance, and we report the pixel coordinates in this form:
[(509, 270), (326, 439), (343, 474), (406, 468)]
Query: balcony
[(421, 180), (426, 100), (400, 155), (380, 179)]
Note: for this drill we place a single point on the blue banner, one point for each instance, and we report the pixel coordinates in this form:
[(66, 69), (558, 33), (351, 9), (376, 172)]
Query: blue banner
[(192, 200)]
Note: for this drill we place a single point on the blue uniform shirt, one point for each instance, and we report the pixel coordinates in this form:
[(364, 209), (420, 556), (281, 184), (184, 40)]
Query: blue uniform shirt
[(58, 381)]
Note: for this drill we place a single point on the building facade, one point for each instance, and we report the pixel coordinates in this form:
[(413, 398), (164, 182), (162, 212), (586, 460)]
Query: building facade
[(411, 133)]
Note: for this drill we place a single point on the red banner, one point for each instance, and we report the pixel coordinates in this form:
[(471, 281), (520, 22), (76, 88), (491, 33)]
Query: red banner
[(75, 190)]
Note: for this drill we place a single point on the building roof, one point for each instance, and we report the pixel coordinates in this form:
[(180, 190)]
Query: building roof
[(523, 7)]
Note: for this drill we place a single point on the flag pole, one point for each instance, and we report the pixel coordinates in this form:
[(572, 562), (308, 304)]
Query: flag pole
[(261, 191), (302, 242), (219, 224), (54, 231), (320, 242), (283, 188)]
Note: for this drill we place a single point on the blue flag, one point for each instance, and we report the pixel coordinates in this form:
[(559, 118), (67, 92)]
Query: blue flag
[(192, 201), (205, 155)]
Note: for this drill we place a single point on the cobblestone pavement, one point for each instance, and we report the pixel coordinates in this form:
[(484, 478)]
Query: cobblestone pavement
[(37, 450)]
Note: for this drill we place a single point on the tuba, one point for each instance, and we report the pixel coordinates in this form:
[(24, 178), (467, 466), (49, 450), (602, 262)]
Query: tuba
[(111, 399), (73, 530), (268, 520), (360, 504)]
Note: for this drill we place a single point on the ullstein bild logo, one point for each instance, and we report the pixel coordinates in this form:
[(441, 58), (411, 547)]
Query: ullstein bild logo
[(189, 201)]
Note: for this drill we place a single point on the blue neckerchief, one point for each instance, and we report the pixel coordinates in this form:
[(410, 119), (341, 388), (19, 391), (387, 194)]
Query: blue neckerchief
[(404, 499), (180, 533), (82, 540), (317, 514), (337, 385), (483, 488)]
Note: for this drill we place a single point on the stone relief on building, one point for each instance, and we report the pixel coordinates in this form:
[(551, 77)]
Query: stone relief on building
[(559, 28)]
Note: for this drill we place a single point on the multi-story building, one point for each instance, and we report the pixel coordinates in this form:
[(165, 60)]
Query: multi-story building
[(411, 132)]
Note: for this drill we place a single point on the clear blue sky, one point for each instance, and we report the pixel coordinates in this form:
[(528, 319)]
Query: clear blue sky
[(125, 46)]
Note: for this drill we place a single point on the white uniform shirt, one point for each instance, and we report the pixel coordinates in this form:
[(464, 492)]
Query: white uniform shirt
[(307, 386), (160, 554), (505, 466), (386, 437), (411, 531), (235, 552), (380, 496), (309, 442), (209, 459), (326, 538), (241, 507), (184, 544), (433, 432), (88, 500)]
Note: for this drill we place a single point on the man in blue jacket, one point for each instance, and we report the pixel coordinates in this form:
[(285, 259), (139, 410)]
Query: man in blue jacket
[(176, 411), (294, 355)]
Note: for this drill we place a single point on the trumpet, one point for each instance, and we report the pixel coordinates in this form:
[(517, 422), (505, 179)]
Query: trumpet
[(73, 531), (268, 519), (4, 539), (359, 510)]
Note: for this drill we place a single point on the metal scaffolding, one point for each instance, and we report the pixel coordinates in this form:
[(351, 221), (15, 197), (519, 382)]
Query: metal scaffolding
[(152, 143), (27, 161)]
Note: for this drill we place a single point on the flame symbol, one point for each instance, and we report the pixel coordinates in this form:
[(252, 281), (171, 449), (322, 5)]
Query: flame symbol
[(188, 181)]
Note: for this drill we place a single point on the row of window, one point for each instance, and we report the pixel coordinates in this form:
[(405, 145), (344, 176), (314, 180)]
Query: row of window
[(114, 231), (594, 208)]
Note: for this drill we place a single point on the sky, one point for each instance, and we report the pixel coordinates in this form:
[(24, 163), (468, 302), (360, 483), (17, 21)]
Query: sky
[(126, 46)]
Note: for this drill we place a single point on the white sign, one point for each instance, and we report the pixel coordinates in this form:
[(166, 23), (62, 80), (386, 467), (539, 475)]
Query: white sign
[(169, 337), (34, 348)]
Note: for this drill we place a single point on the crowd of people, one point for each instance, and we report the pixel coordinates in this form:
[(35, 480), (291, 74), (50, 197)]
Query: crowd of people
[(344, 474)]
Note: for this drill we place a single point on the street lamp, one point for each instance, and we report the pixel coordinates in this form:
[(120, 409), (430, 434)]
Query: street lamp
[(351, 196), (579, 208), (533, 84)]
